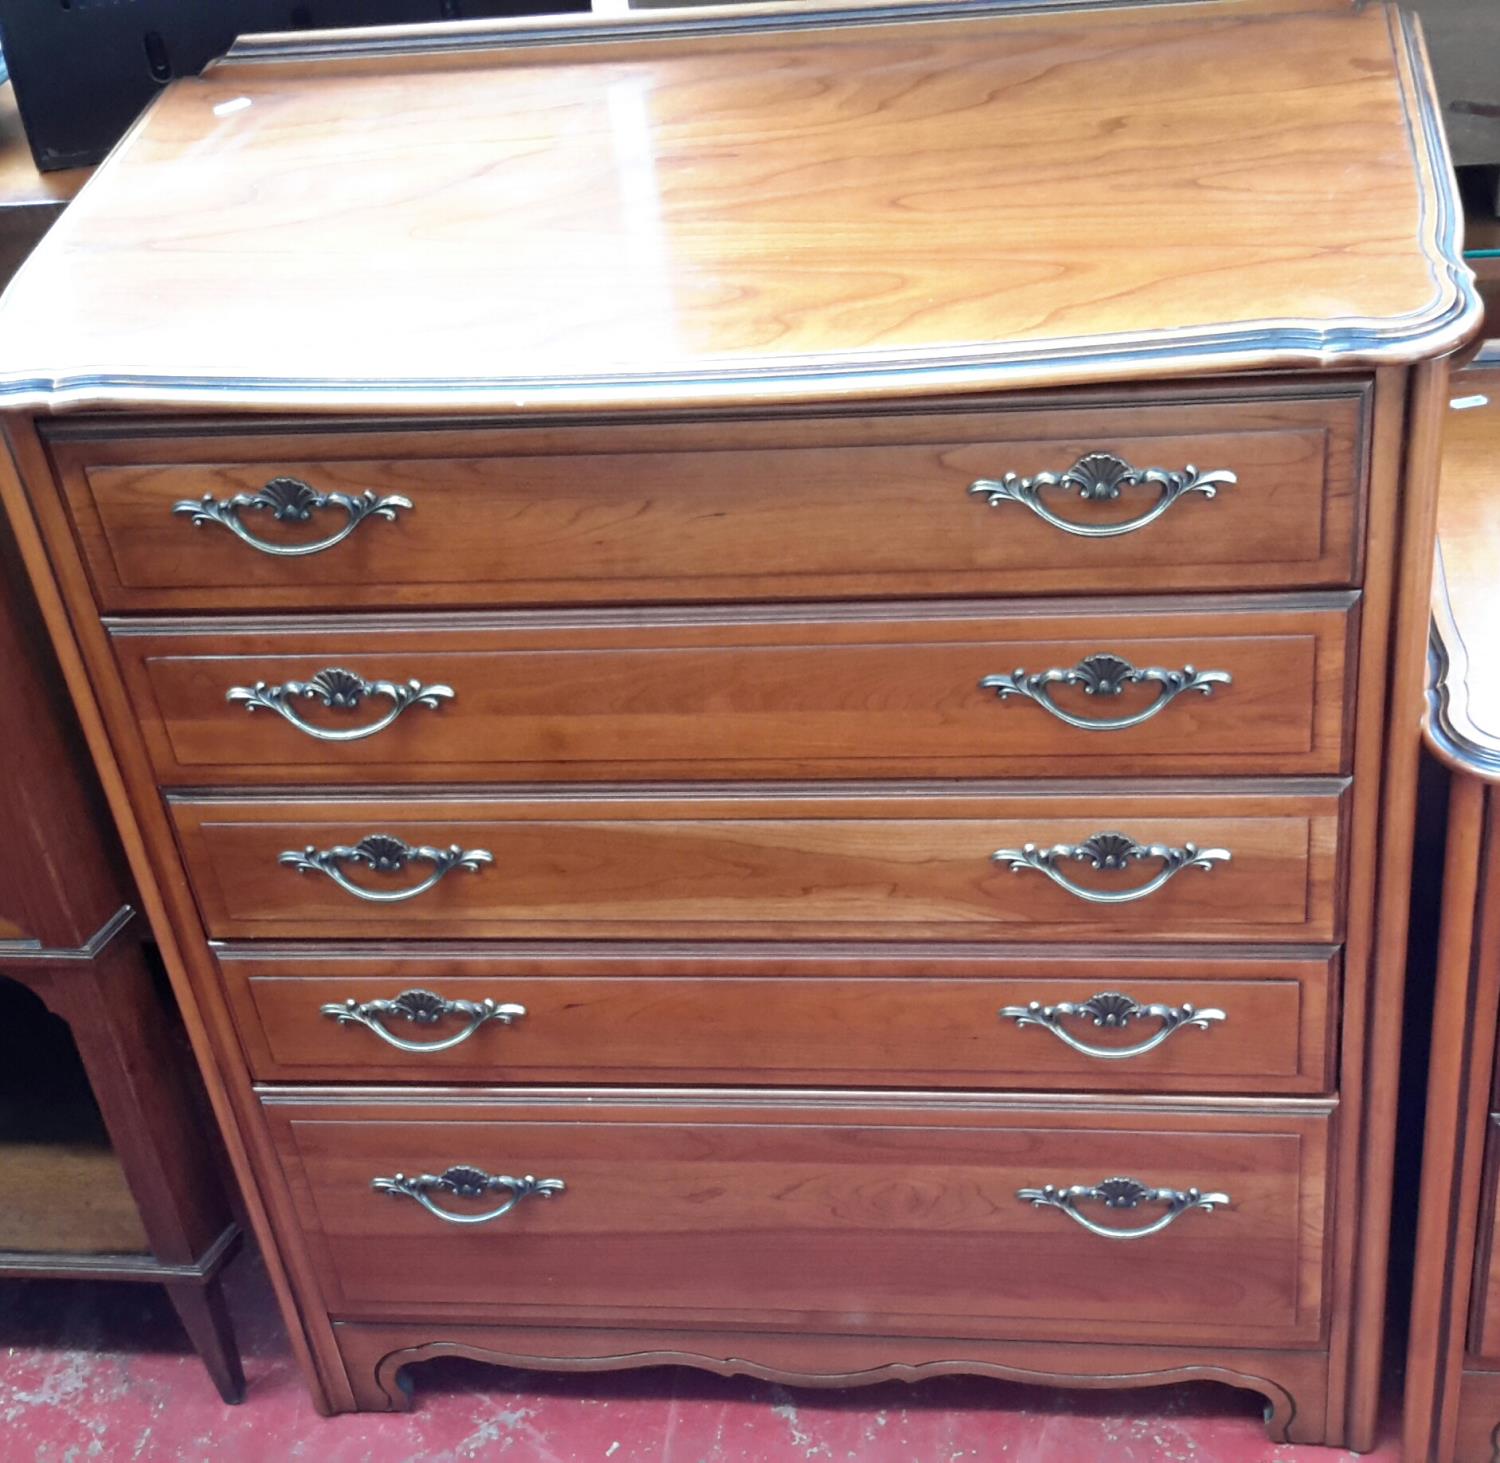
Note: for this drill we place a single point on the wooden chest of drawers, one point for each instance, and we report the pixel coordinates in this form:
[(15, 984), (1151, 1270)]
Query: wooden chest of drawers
[(751, 698)]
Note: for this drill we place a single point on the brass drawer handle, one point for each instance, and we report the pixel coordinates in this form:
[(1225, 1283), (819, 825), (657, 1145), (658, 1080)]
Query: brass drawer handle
[(422, 1008), (1105, 675), (1110, 851), (290, 500), (1098, 477), (384, 854), (338, 690), (1121, 1193), (1109, 1011), (467, 1183)]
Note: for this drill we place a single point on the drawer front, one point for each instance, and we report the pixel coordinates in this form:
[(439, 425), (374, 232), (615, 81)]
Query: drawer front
[(877, 1217), (1169, 866), (1164, 1023), (800, 507), (1477, 1406), (909, 692), (1484, 1326)]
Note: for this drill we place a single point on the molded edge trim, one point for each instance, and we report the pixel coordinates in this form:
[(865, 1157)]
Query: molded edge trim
[(29, 950), (1451, 733), (445, 38), (60, 1265), (1447, 322)]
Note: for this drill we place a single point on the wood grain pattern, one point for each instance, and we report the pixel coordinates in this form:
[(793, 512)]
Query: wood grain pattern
[(770, 1214), (1375, 874), (1484, 1322), (876, 1017), (146, 1201), (61, 879), (1404, 483), (1383, 829), (789, 207), (793, 416), (890, 692), (727, 865), (1476, 1438), (772, 505), (121, 1182), (82, 652)]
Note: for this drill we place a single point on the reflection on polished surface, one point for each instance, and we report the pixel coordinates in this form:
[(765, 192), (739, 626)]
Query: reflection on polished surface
[(978, 196)]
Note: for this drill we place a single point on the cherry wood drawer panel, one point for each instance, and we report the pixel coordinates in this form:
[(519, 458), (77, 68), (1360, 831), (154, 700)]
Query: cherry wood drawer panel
[(821, 862), (869, 1214), (1169, 1021), (798, 506), (893, 692), (1484, 1326), (1478, 1408)]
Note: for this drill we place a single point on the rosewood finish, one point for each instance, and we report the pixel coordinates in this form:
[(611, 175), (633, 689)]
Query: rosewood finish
[(853, 574)]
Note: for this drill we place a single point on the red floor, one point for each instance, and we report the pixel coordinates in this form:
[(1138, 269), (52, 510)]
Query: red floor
[(91, 1372)]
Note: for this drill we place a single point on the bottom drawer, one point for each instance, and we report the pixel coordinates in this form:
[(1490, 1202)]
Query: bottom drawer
[(880, 1215)]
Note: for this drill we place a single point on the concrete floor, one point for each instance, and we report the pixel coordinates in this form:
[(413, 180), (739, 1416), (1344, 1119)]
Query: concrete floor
[(101, 1372)]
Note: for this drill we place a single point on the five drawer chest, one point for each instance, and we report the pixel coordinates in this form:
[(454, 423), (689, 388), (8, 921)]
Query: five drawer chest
[(762, 671)]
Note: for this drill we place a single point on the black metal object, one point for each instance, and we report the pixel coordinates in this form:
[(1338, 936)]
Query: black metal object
[(84, 69)]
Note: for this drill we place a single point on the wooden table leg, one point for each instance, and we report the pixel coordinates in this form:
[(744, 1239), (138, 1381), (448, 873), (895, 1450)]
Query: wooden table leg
[(108, 998), (205, 1317)]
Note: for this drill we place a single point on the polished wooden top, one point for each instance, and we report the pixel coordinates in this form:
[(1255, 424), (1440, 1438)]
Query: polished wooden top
[(1463, 712), (758, 205)]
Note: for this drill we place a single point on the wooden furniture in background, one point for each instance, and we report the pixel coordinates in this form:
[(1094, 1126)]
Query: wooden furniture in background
[(742, 670), (30, 202), (108, 1176), (1453, 1363), (139, 1199)]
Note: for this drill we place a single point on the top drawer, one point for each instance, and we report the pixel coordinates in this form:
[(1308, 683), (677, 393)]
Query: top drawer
[(744, 508)]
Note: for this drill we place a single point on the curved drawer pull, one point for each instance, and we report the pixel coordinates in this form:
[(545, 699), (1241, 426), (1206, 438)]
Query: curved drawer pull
[(1105, 675), (1098, 477), (290, 500), (467, 1183), (338, 690), (1121, 1194), (384, 854), (1113, 1011), (423, 1008), (1110, 851)]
